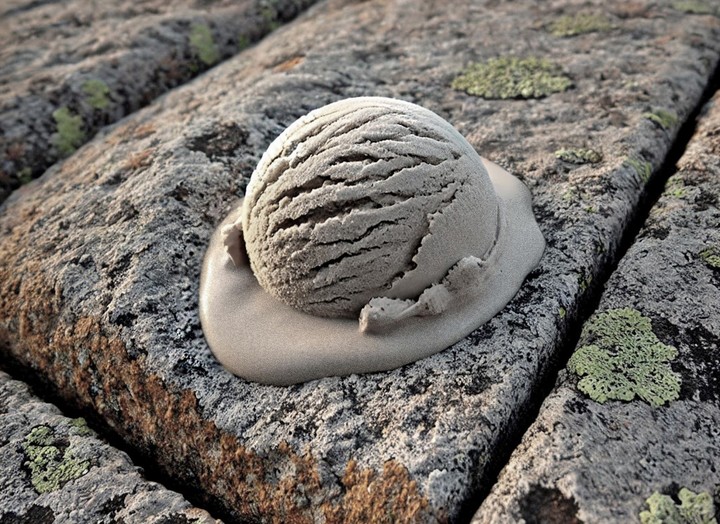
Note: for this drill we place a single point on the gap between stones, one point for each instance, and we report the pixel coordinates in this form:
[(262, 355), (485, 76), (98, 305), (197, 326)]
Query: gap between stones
[(44, 391), (284, 15), (527, 414)]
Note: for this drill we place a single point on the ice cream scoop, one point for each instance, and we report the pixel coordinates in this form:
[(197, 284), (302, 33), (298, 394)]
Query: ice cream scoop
[(366, 198), (371, 234)]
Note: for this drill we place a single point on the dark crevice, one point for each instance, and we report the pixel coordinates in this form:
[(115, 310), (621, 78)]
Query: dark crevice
[(384, 224), (569, 334), (524, 416), (176, 62), (307, 187), (548, 506), (322, 214), (354, 156), (48, 392), (335, 260)]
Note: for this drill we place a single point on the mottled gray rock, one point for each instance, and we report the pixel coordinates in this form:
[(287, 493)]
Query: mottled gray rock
[(56, 469), (69, 68), (599, 461), (100, 258)]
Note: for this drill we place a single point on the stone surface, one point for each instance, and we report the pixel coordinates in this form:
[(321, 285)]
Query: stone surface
[(56, 469), (100, 258), (69, 68), (600, 461)]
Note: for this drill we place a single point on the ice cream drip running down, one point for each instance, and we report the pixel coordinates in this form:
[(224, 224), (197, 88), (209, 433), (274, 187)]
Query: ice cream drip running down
[(371, 235)]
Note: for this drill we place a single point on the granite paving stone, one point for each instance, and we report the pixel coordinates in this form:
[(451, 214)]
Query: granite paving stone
[(69, 68), (638, 439), (55, 469), (100, 258)]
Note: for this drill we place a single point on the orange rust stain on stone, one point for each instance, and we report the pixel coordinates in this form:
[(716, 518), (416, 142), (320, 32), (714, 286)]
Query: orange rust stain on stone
[(143, 131), (89, 366), (139, 160), (391, 496), (289, 64)]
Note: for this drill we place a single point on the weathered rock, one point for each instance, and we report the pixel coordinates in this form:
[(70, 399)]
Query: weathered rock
[(100, 258), (56, 469), (69, 68), (609, 437)]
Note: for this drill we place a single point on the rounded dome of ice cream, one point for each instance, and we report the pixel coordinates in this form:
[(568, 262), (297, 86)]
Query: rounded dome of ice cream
[(365, 198)]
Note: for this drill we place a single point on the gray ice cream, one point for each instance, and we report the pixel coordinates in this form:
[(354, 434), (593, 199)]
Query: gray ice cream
[(371, 235), (365, 198)]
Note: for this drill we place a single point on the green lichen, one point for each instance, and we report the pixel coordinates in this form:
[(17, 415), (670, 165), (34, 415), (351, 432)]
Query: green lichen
[(97, 92), (579, 155), (562, 312), (621, 358), (664, 119), (69, 134), (270, 15), (570, 194), (696, 7), (642, 167), (711, 256), (243, 42), (693, 509), (81, 427), (512, 77), (579, 24), (584, 282), (49, 460), (269, 12), (675, 187), (203, 45), (25, 175)]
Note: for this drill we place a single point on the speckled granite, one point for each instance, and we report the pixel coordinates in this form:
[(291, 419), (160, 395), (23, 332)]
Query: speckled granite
[(601, 460), (54, 469), (69, 68), (100, 258)]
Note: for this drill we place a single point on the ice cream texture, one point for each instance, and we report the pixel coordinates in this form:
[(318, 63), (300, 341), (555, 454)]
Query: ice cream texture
[(371, 234)]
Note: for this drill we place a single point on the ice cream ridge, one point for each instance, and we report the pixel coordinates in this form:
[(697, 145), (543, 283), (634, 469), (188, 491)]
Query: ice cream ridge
[(371, 235)]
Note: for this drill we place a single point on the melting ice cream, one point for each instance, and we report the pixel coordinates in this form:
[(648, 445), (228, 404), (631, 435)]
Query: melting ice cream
[(373, 222)]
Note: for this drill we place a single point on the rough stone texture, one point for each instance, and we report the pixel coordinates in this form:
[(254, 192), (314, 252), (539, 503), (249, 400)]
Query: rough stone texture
[(55, 469), (102, 60), (600, 462), (100, 258)]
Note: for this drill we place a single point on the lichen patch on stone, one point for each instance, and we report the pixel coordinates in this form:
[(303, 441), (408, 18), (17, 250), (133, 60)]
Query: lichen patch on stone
[(512, 77), (675, 187), (711, 256), (578, 24), (697, 7), (81, 427), (70, 134), (663, 118), (50, 461), (97, 93), (694, 508), (579, 155), (642, 167), (621, 358), (203, 44)]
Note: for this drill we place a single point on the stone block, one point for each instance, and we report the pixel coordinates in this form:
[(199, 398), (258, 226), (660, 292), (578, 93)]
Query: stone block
[(631, 430), (100, 258), (55, 469), (69, 68)]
